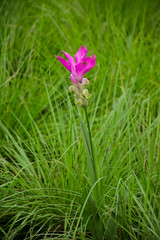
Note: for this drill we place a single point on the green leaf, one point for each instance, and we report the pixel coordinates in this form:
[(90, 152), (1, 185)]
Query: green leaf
[(95, 224)]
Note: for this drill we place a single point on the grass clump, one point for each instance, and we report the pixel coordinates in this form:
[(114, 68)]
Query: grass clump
[(43, 163)]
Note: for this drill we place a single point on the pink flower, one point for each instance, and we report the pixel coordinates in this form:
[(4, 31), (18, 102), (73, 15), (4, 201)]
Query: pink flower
[(82, 65)]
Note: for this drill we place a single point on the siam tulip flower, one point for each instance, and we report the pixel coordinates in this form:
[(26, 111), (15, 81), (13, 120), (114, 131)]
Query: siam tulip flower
[(82, 65), (78, 69)]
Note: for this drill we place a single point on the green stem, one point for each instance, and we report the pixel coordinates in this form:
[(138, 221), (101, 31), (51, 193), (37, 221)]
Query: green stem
[(91, 144)]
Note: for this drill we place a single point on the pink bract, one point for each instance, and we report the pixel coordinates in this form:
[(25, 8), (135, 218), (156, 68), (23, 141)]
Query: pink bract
[(79, 67)]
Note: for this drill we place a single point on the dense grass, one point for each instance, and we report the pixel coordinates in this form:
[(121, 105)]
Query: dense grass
[(43, 161)]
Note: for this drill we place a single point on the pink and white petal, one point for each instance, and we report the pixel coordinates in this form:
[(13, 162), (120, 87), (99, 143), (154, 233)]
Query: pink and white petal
[(80, 55), (64, 62), (73, 79), (76, 79)]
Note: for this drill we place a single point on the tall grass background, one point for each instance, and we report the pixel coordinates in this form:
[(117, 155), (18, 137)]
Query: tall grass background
[(43, 168)]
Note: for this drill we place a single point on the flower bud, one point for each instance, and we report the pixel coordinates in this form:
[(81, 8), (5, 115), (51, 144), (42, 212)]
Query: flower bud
[(85, 81), (86, 93), (79, 97), (81, 94)]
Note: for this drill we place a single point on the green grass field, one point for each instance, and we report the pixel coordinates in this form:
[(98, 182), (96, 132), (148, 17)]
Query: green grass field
[(43, 165)]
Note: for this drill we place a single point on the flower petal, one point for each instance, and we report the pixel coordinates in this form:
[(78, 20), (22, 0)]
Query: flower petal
[(80, 68), (91, 60), (64, 62), (76, 79), (71, 61), (80, 55), (73, 79), (86, 65)]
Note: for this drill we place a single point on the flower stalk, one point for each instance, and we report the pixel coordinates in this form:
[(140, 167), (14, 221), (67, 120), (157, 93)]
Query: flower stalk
[(91, 144)]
